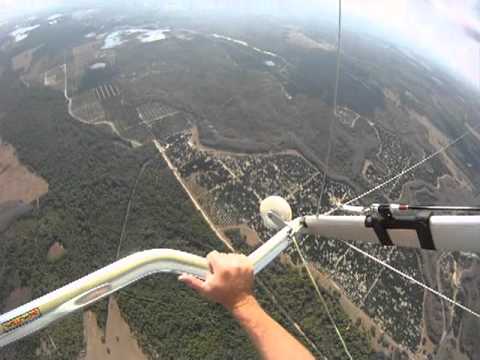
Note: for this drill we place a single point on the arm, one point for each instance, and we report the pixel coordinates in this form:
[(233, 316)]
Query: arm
[(271, 340), (230, 283)]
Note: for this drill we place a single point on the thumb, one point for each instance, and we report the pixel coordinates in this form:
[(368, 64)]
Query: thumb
[(192, 282)]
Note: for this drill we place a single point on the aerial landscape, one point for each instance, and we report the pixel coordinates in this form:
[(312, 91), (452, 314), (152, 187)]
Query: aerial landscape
[(125, 128)]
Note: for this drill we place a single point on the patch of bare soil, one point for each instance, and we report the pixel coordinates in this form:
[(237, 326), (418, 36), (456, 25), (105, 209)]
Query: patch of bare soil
[(93, 337), (250, 235), (17, 183), (17, 297), (55, 252), (116, 343)]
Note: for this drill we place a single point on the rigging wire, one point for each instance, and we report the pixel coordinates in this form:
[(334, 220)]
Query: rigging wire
[(363, 195), (413, 280), (324, 180), (339, 48), (380, 186), (402, 173), (368, 192), (320, 198), (335, 97), (288, 318), (320, 296)]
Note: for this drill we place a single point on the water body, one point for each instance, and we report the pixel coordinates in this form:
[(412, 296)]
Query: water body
[(121, 37), (153, 35), (113, 40), (54, 17), (244, 43), (98, 66), (22, 33)]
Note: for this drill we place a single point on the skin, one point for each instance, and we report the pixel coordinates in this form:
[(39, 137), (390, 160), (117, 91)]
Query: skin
[(230, 283)]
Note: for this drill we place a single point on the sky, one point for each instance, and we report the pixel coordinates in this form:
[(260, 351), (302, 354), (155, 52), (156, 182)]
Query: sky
[(447, 31), (11, 6)]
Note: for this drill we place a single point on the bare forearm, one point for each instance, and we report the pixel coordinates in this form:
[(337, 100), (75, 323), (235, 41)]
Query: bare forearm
[(230, 283), (272, 341)]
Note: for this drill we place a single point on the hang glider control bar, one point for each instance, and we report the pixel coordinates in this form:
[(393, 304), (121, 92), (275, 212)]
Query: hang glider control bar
[(53, 306), (447, 233)]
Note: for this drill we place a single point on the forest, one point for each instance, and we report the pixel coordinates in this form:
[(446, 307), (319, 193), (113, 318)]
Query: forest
[(91, 175)]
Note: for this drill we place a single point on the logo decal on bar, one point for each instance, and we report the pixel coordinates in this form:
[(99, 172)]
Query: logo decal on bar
[(20, 320)]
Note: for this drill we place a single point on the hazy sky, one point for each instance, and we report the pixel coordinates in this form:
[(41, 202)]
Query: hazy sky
[(447, 30), (19, 5)]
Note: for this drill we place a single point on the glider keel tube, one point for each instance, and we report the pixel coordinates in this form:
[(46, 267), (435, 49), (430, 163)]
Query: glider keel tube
[(444, 233), (53, 306)]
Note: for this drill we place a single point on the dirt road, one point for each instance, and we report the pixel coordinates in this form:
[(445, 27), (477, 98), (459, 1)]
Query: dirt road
[(217, 232)]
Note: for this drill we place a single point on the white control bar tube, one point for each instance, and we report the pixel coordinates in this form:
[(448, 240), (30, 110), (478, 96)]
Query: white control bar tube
[(51, 307), (449, 233)]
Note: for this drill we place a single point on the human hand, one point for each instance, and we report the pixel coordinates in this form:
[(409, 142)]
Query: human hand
[(229, 282)]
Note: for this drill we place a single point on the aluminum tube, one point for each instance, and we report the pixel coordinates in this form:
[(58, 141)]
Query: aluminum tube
[(453, 233), (449, 233), (51, 307)]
